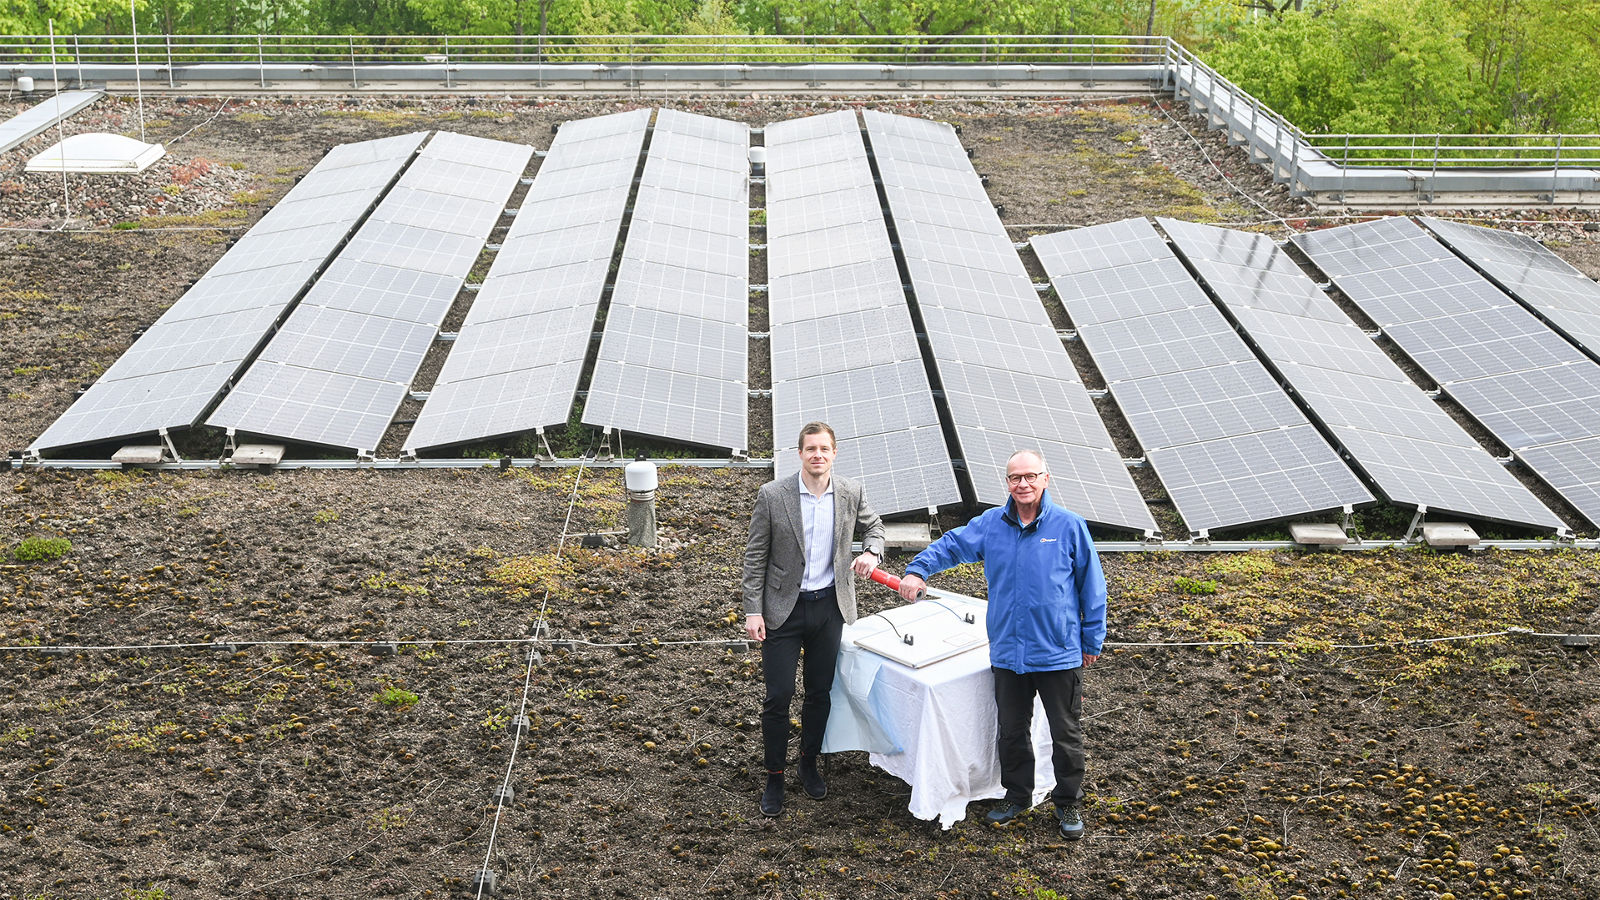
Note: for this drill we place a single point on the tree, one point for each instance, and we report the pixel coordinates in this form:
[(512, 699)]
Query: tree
[(70, 16), (1295, 66)]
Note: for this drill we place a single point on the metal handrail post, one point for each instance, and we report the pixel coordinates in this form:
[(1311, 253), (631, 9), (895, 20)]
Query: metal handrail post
[(447, 62), (1344, 169), (1255, 112), (1177, 83), (1233, 99), (1555, 170), (354, 84), (77, 58), (170, 82), (1289, 135), (1294, 167), (1178, 77), (1433, 174), (261, 61)]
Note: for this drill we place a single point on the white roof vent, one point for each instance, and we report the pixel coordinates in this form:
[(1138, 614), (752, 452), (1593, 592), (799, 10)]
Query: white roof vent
[(97, 152)]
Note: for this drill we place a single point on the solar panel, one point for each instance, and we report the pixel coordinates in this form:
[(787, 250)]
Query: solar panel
[(844, 350), (1570, 468), (892, 397), (1008, 379), (176, 369), (1201, 405), (1409, 447), (1507, 370), (343, 361), (1548, 284), (899, 468), (1081, 478), (516, 363), (1255, 477), (1005, 400), (36, 119), (1537, 407), (684, 274), (1482, 343), (829, 342), (1228, 444), (839, 289)]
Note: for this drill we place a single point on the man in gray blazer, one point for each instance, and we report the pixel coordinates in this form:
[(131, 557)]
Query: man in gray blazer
[(798, 594)]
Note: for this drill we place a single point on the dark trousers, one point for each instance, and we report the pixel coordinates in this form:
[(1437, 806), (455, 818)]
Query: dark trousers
[(1061, 692), (815, 626)]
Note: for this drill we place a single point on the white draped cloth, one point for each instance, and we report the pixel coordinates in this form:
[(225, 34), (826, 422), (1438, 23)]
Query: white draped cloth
[(933, 727)]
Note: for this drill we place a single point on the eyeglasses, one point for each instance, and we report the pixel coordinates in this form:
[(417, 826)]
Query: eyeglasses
[(1023, 477)]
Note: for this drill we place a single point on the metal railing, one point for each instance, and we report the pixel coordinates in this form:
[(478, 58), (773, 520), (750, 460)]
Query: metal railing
[(181, 50), (1332, 166), (1429, 150), (1324, 166)]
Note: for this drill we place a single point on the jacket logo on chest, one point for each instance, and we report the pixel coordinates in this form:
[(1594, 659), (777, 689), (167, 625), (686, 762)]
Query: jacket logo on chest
[(1047, 540)]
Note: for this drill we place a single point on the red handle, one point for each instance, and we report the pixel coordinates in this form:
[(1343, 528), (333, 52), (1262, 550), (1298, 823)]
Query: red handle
[(892, 582)]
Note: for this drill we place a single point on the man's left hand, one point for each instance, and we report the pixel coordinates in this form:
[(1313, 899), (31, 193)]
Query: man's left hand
[(865, 563), (1090, 659)]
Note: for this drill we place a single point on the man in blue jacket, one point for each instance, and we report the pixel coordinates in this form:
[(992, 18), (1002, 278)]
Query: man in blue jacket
[(1047, 621)]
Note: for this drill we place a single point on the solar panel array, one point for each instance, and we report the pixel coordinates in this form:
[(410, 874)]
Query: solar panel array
[(1006, 376), (1410, 448), (1537, 393), (844, 350), (516, 363), (343, 361), (673, 360), (1227, 442), (35, 119), (1564, 296), (176, 369)]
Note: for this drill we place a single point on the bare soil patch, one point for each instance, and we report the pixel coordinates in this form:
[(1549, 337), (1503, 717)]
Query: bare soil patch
[(311, 768), (301, 766)]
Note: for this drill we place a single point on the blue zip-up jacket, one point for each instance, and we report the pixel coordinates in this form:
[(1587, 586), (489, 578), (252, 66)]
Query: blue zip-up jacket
[(1047, 594)]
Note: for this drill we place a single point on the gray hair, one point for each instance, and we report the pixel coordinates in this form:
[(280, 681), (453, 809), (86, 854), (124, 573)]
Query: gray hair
[(1028, 451)]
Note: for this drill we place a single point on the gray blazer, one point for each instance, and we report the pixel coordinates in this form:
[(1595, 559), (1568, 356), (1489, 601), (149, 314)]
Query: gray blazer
[(774, 560)]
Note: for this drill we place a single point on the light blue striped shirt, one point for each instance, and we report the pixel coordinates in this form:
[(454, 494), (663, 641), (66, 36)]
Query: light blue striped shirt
[(816, 519)]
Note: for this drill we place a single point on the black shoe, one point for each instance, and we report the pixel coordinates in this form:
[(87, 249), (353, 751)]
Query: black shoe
[(1005, 814), (772, 797), (1071, 819), (811, 779)]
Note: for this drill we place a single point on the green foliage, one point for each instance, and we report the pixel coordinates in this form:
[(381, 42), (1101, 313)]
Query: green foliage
[(1183, 584), (1341, 66), (39, 549), (1239, 568), (16, 735), (390, 818), (1421, 66), (397, 697)]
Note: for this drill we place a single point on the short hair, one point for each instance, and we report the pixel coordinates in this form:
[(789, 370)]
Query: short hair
[(1029, 451), (817, 428)]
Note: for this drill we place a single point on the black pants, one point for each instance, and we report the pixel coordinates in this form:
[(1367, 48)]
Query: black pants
[(815, 625), (1062, 694)]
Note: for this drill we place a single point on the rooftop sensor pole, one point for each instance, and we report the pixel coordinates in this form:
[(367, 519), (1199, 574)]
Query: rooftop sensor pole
[(61, 130), (138, 85), (640, 479)]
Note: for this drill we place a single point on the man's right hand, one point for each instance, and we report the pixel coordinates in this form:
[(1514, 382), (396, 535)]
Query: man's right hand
[(911, 587), (755, 628)]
